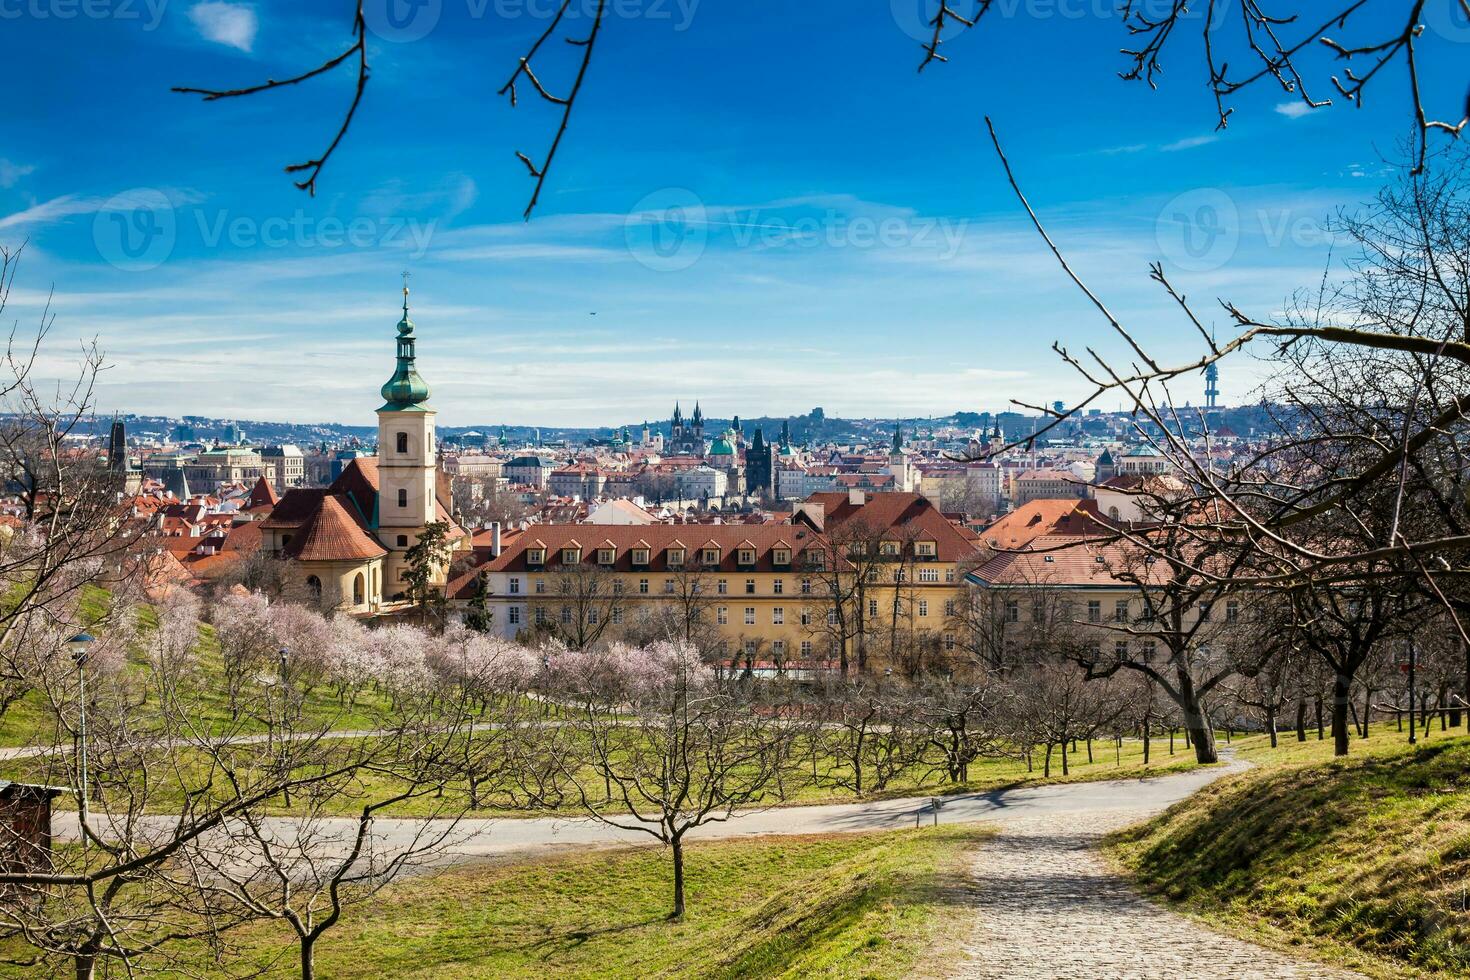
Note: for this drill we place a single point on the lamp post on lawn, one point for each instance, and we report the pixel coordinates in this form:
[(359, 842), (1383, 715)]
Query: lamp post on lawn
[(1413, 664), (78, 645)]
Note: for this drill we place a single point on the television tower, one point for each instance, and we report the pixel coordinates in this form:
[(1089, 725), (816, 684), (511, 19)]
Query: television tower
[(1212, 385)]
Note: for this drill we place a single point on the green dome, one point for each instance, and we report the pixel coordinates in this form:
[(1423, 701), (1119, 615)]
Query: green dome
[(721, 447), (405, 389)]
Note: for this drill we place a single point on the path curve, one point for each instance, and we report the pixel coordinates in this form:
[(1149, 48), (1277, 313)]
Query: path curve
[(1048, 905)]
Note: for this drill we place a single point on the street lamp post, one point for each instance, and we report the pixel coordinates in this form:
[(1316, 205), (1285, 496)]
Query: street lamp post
[(1413, 665), (78, 645)]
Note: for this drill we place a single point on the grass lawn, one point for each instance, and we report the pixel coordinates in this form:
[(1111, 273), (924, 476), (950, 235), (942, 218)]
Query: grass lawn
[(1363, 860), (842, 905), (796, 787)]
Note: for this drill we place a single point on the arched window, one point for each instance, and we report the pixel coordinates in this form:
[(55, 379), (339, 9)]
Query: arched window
[(403, 442), (359, 587), (315, 585), (1113, 513), (402, 497)]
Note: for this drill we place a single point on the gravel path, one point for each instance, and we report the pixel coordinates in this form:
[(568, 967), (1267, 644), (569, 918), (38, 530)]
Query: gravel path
[(1048, 906)]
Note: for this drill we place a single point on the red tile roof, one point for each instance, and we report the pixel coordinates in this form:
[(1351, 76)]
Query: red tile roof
[(334, 535)]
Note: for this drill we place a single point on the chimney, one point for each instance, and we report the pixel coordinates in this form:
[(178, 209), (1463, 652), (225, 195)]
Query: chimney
[(494, 539), (856, 497)]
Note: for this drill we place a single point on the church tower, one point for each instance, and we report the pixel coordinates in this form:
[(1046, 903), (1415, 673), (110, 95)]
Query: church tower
[(406, 459)]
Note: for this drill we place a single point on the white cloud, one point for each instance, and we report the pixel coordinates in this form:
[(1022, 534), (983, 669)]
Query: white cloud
[(1189, 143), (11, 173), (230, 24), (1294, 110)]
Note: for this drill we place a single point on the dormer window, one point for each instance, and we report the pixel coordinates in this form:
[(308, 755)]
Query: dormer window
[(403, 442), (571, 556), (888, 549), (747, 556), (536, 556), (781, 556), (605, 556), (676, 557), (640, 556), (924, 549), (710, 556)]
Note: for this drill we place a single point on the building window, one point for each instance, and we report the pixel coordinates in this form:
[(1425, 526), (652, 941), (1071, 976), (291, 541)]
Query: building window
[(949, 574), (778, 648), (777, 587), (806, 586), (540, 615), (924, 549), (403, 541), (831, 617), (676, 557), (750, 615), (535, 556), (605, 556), (750, 586), (402, 443), (1232, 611), (1150, 647), (778, 616), (747, 556), (1094, 611), (888, 549), (806, 617), (571, 556), (1120, 649), (617, 615), (618, 587), (923, 607), (872, 607), (640, 556), (515, 615), (949, 641), (928, 575), (566, 614), (643, 586), (949, 607), (722, 587), (592, 617), (806, 649), (402, 497), (722, 615), (514, 587), (668, 586), (1120, 611), (1012, 611), (541, 586), (781, 556)]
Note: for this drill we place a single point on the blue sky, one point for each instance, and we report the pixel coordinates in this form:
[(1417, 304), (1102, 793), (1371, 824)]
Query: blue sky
[(763, 204)]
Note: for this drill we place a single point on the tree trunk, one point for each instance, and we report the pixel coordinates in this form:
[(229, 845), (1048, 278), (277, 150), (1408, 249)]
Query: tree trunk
[(308, 957), (678, 913), (1340, 685), (1319, 718), (1301, 721), (1065, 771), (86, 965), (1046, 769), (1147, 738), (1367, 711), (1271, 723)]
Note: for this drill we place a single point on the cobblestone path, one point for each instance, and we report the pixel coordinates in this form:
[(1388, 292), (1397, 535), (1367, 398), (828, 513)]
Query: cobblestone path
[(1048, 906)]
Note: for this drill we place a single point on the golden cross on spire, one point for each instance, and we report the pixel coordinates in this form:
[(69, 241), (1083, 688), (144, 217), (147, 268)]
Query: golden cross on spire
[(405, 290)]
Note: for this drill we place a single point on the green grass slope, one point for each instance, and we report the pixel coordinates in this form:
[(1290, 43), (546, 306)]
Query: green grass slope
[(843, 905), (1366, 860)]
